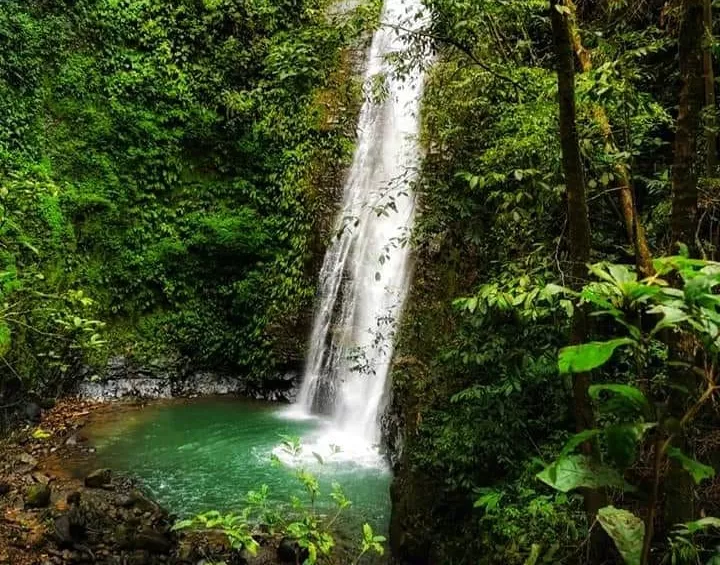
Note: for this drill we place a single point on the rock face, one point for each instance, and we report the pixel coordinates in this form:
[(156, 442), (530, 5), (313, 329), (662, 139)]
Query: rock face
[(37, 496), (171, 379)]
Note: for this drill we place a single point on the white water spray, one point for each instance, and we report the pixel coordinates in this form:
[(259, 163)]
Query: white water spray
[(366, 272)]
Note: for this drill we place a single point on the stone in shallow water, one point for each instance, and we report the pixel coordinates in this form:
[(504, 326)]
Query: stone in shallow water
[(99, 478)]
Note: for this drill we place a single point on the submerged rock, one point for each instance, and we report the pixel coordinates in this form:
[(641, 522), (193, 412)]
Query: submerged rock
[(37, 496), (99, 478)]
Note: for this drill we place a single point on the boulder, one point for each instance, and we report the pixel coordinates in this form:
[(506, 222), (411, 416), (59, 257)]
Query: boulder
[(153, 541), (33, 412), (37, 496), (47, 403), (27, 459), (41, 478), (288, 551), (68, 531), (99, 478), (123, 536), (143, 503)]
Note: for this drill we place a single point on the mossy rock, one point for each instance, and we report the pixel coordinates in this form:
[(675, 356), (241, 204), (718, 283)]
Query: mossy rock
[(37, 496)]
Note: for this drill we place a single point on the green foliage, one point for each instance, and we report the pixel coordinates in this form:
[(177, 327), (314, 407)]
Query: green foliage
[(686, 544), (173, 161), (234, 527), (312, 531), (698, 471), (577, 471), (588, 356), (479, 384), (370, 542), (626, 530), (628, 414)]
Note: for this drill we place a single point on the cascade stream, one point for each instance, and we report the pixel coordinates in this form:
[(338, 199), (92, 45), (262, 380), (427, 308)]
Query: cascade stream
[(366, 271)]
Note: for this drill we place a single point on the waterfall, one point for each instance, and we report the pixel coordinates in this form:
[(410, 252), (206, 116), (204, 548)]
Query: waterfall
[(366, 271)]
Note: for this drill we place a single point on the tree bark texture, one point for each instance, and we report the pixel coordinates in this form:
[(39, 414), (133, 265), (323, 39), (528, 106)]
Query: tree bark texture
[(579, 227), (683, 220)]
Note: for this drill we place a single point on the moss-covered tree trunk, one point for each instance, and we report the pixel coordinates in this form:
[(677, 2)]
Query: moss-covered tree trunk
[(578, 222), (679, 492), (633, 224)]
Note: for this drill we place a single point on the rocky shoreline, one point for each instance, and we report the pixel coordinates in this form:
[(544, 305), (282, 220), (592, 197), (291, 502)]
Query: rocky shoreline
[(54, 513)]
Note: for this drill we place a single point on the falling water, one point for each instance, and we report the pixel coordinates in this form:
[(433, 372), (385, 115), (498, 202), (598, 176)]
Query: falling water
[(365, 275)]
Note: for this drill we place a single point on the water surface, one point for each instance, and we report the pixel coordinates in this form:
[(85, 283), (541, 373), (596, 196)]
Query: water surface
[(206, 454)]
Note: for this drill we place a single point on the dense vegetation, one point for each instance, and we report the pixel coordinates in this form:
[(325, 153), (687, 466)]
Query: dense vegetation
[(168, 175), (561, 135), (169, 168)]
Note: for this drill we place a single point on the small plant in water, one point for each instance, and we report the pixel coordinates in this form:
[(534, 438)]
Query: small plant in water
[(310, 530), (234, 526), (370, 542), (291, 445)]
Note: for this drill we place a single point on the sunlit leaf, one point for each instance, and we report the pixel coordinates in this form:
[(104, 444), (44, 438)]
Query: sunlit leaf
[(587, 356), (39, 433), (576, 471), (626, 530)]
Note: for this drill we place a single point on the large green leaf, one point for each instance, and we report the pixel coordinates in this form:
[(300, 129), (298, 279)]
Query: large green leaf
[(622, 441), (697, 470), (578, 439), (702, 524), (576, 471), (626, 530), (587, 356), (631, 395), (672, 316)]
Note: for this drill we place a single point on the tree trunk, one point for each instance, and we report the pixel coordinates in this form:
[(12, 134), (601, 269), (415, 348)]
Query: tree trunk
[(684, 177), (578, 222), (679, 491), (633, 225), (711, 124)]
